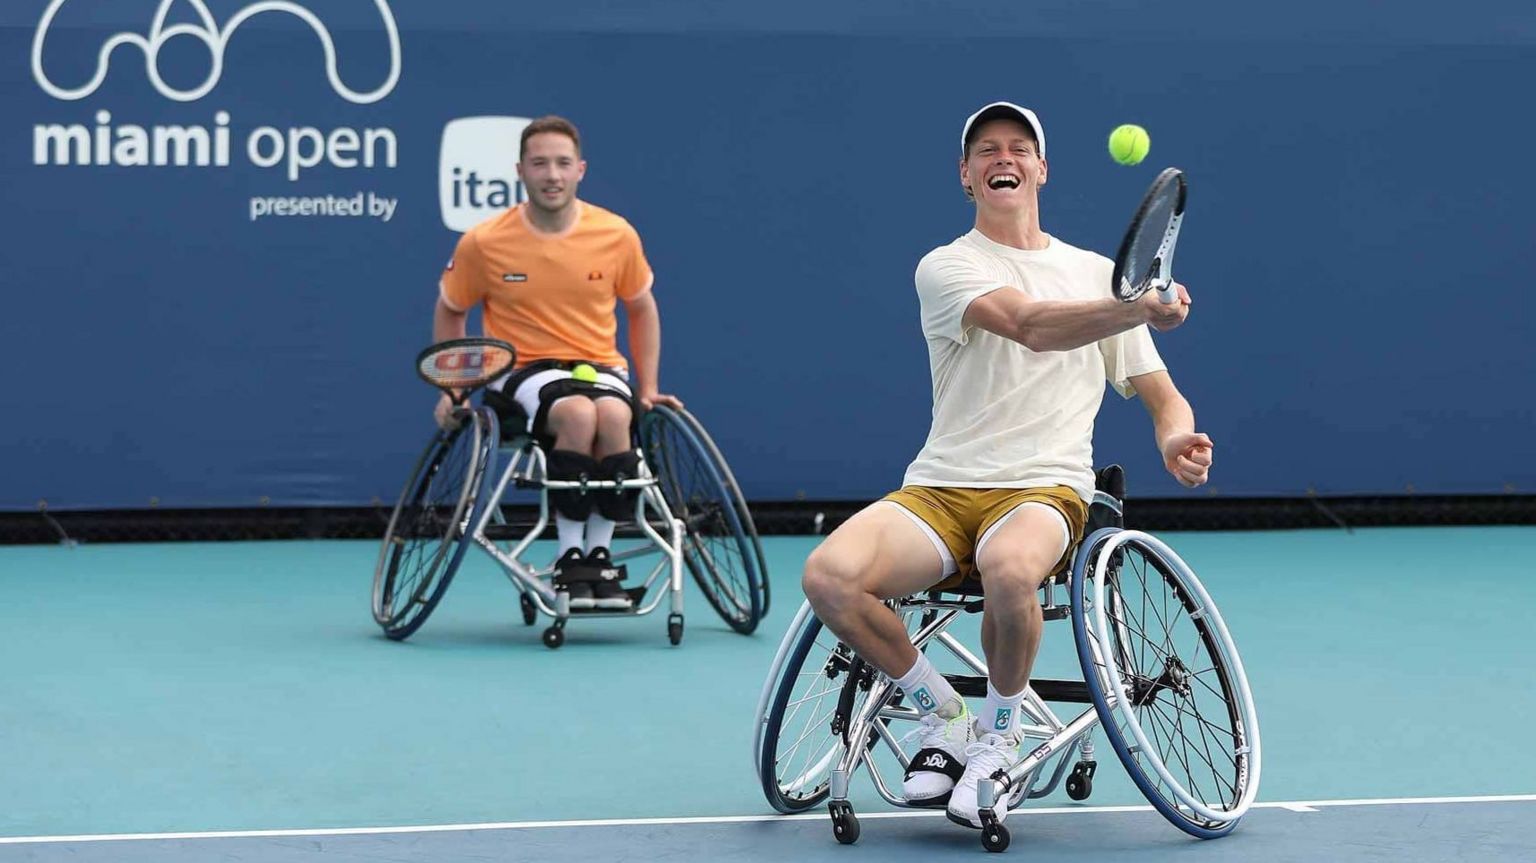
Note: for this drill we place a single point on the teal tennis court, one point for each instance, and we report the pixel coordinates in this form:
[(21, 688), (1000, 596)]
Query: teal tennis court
[(241, 689)]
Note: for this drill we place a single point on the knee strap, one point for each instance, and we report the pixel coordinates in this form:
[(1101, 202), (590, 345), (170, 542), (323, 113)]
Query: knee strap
[(615, 504), (563, 464)]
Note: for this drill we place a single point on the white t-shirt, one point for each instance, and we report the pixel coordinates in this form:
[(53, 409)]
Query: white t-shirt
[(1005, 416)]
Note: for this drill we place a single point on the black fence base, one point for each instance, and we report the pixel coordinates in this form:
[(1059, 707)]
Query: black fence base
[(773, 518)]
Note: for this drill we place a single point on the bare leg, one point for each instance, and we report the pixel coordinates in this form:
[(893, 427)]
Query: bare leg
[(876, 555), (1013, 564), (573, 422), (613, 422)]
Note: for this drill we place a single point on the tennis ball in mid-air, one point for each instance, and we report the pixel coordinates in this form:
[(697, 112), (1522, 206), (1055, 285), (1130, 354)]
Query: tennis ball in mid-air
[(584, 373), (1129, 144)]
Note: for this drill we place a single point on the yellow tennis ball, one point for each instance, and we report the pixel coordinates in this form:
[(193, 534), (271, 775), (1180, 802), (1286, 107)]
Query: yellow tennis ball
[(1129, 144), (584, 373)]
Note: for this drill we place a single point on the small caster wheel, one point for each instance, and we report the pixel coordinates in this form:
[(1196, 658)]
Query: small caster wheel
[(845, 825), (530, 614), (675, 628), (554, 637), (1080, 783), (994, 836)]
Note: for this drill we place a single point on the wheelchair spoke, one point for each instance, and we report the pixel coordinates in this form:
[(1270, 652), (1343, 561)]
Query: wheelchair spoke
[(1160, 721), (1164, 616), (1188, 758), (1206, 756), (810, 728)]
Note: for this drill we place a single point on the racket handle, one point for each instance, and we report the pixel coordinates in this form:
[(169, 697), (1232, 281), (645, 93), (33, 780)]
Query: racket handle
[(1167, 293)]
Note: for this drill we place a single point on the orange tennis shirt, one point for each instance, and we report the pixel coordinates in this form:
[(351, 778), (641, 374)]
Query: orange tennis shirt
[(551, 295)]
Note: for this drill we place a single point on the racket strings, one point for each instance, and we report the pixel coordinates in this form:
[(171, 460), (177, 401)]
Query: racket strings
[(1142, 261), (465, 366)]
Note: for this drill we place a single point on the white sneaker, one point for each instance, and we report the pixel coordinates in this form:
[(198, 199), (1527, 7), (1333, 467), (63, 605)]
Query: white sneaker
[(940, 758), (990, 753)]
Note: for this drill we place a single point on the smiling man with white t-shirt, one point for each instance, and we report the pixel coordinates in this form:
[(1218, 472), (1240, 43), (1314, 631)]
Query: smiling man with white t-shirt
[(1022, 333)]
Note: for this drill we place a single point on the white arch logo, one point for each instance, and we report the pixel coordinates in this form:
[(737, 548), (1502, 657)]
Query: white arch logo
[(215, 39)]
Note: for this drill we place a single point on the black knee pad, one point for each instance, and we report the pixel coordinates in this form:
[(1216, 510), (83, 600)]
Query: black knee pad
[(615, 504), (563, 464)]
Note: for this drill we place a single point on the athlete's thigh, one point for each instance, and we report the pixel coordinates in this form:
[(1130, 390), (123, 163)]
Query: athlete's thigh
[(884, 550), (1029, 544), (613, 414)]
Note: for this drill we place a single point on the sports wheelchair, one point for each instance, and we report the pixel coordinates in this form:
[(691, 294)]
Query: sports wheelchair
[(688, 508), (1161, 675)]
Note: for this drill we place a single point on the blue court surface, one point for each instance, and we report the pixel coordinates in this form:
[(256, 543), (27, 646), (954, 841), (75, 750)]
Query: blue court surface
[(235, 701)]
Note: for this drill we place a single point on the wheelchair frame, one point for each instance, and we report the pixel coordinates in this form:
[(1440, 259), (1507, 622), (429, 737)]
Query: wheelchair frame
[(1046, 736), (680, 542), (490, 525)]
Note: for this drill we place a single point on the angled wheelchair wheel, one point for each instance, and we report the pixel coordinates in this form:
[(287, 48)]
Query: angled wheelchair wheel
[(1166, 680), (738, 500), (428, 532), (815, 686), (723, 557)]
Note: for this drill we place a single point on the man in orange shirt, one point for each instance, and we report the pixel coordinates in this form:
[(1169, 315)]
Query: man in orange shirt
[(549, 273)]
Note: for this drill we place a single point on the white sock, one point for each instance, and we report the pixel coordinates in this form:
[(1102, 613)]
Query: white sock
[(999, 713), (599, 532), (929, 691), (570, 531)]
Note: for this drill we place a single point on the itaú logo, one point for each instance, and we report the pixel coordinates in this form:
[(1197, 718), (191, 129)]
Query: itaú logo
[(214, 38)]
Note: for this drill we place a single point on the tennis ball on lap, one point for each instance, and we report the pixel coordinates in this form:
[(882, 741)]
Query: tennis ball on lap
[(584, 373), (1129, 144)]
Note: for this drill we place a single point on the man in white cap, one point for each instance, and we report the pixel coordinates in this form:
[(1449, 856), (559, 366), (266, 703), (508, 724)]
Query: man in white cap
[(1022, 333)]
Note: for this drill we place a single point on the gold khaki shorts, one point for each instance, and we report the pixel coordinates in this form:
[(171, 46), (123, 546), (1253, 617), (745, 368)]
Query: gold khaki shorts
[(962, 516)]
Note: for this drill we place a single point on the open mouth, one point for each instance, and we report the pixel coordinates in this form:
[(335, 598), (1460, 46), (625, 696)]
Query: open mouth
[(1003, 181)]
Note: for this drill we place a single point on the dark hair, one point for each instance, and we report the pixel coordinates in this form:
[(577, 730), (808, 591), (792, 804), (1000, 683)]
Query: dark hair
[(550, 123)]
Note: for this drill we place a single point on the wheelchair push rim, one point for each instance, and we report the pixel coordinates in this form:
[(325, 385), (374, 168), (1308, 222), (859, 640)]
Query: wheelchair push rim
[(716, 548), (428, 529), (1166, 680)]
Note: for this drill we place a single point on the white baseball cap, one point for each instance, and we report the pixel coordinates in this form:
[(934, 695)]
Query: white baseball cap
[(998, 110)]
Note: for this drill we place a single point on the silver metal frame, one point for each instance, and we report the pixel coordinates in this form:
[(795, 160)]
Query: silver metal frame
[(1056, 739), (527, 468)]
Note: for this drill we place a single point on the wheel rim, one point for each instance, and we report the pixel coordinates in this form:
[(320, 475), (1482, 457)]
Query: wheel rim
[(743, 512), (715, 549), (800, 747), (428, 527), (1161, 655)]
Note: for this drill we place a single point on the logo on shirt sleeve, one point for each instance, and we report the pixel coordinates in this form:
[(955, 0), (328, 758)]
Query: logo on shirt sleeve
[(514, 277)]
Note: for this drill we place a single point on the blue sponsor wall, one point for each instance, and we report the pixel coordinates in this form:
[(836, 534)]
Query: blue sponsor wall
[(1359, 242)]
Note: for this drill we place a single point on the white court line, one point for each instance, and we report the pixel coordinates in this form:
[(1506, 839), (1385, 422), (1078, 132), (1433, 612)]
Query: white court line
[(1292, 806)]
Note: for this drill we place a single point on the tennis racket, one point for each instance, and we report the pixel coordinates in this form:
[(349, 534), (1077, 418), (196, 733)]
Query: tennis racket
[(458, 367), (1145, 261)]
